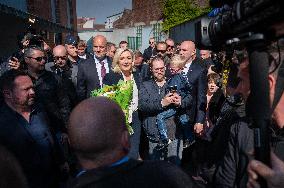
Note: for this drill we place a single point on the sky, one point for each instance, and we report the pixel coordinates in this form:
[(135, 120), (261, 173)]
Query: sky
[(100, 9)]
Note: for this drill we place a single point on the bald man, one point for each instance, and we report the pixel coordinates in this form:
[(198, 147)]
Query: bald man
[(66, 70), (100, 140), (197, 77), (91, 72)]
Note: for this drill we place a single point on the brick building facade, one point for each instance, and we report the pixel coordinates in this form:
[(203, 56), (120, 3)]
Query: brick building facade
[(61, 12), (54, 19)]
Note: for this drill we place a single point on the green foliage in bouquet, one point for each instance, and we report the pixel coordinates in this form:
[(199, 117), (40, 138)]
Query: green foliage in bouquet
[(121, 94)]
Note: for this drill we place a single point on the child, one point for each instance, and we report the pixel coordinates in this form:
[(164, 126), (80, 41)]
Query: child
[(177, 83)]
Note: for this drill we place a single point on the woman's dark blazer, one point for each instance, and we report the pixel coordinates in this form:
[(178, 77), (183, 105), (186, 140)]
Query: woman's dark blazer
[(113, 78)]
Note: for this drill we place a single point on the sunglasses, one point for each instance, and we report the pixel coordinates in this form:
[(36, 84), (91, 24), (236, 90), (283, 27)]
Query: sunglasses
[(38, 59), (161, 51), (171, 47), (59, 58), (151, 42)]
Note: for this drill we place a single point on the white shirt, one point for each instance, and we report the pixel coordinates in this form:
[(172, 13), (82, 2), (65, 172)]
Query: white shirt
[(99, 69), (83, 56), (186, 68)]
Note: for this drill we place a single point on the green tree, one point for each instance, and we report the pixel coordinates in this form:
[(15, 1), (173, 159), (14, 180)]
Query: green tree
[(178, 11)]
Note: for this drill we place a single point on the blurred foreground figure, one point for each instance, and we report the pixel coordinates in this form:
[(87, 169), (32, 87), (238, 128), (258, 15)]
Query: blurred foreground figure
[(100, 140), (25, 131)]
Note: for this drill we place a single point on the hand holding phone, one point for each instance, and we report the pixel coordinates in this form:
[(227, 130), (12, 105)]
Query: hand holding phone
[(14, 63)]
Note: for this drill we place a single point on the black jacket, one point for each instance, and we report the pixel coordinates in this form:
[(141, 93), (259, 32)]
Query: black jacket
[(32, 144), (69, 80), (148, 53), (50, 94), (135, 173), (113, 78), (232, 171), (215, 105)]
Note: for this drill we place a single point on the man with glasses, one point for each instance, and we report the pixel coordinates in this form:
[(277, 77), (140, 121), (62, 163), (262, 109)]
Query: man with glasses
[(49, 90), (162, 52), (154, 99), (150, 51), (66, 71), (92, 71), (170, 47)]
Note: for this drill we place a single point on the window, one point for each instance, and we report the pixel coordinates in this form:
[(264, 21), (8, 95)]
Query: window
[(157, 28), (139, 36), (53, 11), (132, 43)]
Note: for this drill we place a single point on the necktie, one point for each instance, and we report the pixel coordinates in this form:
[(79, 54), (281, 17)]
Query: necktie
[(103, 69)]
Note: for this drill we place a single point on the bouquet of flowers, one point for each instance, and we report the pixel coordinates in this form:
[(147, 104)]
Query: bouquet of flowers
[(121, 94)]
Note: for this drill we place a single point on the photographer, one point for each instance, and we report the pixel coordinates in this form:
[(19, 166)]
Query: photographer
[(232, 171), (16, 60)]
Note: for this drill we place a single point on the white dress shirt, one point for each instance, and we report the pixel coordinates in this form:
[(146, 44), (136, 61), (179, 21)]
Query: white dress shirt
[(186, 68), (83, 56), (99, 68)]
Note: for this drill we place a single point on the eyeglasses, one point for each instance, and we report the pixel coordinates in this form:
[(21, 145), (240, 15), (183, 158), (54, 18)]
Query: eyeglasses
[(59, 58), (171, 47), (101, 47), (161, 51), (151, 42), (159, 69), (38, 59)]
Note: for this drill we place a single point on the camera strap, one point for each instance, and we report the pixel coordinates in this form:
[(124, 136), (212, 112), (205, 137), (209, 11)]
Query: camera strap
[(279, 89)]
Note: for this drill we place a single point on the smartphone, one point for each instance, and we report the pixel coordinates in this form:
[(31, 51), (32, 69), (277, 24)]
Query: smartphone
[(173, 88)]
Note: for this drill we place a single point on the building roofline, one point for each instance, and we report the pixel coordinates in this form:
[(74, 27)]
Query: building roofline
[(24, 15), (115, 14)]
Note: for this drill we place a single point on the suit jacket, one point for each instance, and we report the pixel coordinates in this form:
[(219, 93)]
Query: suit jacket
[(197, 77), (113, 78), (87, 78), (135, 173)]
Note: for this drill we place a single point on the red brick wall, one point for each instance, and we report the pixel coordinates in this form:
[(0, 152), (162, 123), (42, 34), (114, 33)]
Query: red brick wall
[(41, 8), (74, 15)]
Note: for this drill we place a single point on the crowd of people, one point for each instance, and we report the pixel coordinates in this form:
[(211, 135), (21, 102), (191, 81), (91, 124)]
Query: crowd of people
[(190, 121)]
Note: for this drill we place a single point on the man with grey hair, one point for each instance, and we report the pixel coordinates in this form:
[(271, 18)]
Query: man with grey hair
[(49, 90)]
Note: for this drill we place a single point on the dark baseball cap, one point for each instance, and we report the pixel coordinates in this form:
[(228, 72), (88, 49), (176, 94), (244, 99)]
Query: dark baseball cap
[(71, 40)]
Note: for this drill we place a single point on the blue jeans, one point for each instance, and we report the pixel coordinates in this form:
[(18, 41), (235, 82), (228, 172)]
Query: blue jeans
[(161, 123)]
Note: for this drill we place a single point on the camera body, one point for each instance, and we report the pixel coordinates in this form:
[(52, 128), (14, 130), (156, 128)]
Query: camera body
[(257, 16), (36, 40), (173, 89)]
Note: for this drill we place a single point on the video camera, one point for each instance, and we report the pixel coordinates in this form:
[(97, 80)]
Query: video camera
[(252, 25), (243, 16)]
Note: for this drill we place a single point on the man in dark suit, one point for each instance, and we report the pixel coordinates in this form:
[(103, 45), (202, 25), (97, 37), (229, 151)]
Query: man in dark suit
[(101, 143), (25, 132), (197, 76), (91, 72)]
